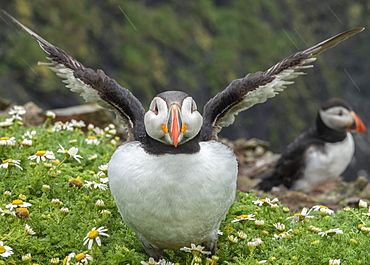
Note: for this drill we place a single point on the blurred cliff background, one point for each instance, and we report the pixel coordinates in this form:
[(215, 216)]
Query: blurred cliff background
[(199, 47)]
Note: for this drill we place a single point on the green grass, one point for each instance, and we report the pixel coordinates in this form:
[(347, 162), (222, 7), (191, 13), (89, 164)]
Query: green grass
[(62, 214)]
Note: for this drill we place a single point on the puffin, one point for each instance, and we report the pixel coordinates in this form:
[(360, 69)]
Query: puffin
[(172, 181), (319, 154)]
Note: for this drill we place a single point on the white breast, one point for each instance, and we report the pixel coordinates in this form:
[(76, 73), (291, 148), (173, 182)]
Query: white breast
[(323, 165), (173, 200)]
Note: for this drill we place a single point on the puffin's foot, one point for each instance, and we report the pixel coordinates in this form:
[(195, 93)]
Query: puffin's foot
[(151, 251)]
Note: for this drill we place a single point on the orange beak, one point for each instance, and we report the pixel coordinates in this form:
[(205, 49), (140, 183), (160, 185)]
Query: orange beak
[(174, 124), (358, 125)]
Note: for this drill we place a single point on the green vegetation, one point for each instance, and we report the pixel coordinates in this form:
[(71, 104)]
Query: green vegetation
[(55, 202)]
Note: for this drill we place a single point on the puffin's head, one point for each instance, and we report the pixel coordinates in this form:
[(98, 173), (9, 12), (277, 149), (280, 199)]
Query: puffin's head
[(338, 115), (173, 118)]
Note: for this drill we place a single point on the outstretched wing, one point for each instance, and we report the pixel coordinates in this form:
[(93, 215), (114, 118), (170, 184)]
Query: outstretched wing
[(254, 88), (93, 86)]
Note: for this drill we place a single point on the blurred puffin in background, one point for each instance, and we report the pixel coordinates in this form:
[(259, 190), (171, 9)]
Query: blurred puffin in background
[(319, 154)]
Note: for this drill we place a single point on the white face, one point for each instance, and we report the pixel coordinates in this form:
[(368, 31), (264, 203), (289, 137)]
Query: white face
[(337, 118), (173, 125)]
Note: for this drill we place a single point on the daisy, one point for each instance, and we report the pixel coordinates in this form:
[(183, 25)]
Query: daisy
[(57, 127), (83, 258), (334, 262), (26, 142), (365, 229), (54, 261), (5, 251), (93, 157), (331, 232), (42, 155), (103, 168), (256, 241), (7, 141), (279, 226), (265, 202), (100, 203), (64, 210), (56, 202), (77, 124), (17, 203), (50, 114), (282, 235), (104, 180), (105, 213), (10, 162), (243, 217), (195, 249), (6, 211), (27, 257), (29, 134), (8, 122), (259, 223), (95, 185), (94, 235), (241, 235), (92, 140), (232, 239), (367, 214), (29, 230), (362, 204), (150, 262), (66, 260), (63, 126), (322, 209), (110, 130), (98, 131), (300, 216), (160, 262), (314, 229), (72, 152), (17, 110)]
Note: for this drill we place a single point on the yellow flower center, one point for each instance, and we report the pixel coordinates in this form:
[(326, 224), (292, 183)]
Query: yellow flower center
[(40, 153), (298, 214), (80, 257), (2, 249), (7, 160), (91, 137), (17, 202), (242, 216), (93, 234), (4, 138), (323, 207)]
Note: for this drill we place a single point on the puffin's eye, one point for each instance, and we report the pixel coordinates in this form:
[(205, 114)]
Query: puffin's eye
[(155, 110), (340, 113)]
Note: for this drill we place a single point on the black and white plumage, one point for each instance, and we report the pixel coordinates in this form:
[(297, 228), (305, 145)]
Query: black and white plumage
[(321, 153), (173, 183)]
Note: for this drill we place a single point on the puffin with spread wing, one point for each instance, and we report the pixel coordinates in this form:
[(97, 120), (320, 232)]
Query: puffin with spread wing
[(172, 181)]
